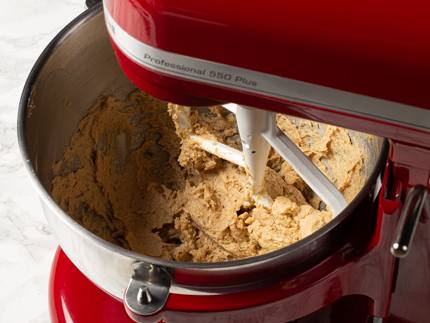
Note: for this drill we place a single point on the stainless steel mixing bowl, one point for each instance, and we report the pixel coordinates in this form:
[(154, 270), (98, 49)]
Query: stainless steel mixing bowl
[(79, 65)]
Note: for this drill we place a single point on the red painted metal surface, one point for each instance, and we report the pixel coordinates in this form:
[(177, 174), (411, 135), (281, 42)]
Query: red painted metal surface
[(411, 276), (376, 48), (75, 299)]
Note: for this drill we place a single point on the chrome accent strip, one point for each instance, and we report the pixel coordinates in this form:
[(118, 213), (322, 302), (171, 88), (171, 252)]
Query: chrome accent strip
[(265, 84)]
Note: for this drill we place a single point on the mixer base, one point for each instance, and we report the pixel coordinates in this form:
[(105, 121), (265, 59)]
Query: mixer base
[(74, 298)]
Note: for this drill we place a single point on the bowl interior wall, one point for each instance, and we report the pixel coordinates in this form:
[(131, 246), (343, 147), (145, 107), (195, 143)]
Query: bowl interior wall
[(72, 78)]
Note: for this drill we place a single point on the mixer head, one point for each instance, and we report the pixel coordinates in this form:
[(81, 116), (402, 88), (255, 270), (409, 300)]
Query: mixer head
[(361, 67)]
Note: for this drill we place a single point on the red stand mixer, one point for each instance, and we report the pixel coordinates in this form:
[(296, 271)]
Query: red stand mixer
[(362, 66)]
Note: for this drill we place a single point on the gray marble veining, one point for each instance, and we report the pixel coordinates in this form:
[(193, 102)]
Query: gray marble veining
[(27, 244)]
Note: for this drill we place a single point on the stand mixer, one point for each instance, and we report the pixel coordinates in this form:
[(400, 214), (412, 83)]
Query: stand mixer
[(359, 66)]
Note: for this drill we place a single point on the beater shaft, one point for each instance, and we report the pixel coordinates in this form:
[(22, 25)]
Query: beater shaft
[(251, 123), (258, 131)]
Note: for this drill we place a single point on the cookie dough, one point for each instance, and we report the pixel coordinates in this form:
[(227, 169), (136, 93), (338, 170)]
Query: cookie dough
[(127, 178)]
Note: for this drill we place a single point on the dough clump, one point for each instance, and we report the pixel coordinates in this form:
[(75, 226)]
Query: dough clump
[(127, 177)]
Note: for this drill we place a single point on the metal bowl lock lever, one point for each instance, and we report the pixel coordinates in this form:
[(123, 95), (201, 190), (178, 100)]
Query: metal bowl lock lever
[(412, 212), (147, 291), (258, 131)]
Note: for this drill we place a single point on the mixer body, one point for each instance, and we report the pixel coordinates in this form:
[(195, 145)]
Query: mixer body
[(362, 66), (344, 64)]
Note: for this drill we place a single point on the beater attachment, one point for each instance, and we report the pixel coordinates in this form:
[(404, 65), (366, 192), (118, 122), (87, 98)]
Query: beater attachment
[(258, 131)]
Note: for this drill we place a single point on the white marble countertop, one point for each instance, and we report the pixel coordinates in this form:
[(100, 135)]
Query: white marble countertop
[(27, 244)]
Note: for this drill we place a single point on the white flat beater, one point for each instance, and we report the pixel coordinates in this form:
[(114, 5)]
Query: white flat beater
[(258, 131)]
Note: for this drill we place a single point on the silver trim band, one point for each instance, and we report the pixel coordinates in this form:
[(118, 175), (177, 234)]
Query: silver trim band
[(265, 84)]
